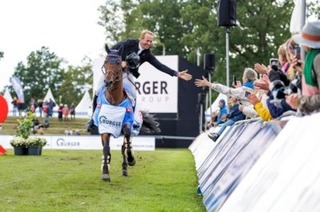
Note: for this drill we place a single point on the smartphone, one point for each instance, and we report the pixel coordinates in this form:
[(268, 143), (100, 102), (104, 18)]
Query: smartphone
[(234, 80), (297, 52), (274, 63)]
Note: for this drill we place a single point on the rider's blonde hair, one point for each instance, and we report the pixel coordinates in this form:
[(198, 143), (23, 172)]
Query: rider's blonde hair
[(144, 32)]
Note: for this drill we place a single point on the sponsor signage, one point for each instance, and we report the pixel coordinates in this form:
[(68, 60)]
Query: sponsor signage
[(141, 143), (158, 91)]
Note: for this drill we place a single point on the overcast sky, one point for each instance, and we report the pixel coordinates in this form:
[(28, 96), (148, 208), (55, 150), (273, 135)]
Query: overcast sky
[(68, 27)]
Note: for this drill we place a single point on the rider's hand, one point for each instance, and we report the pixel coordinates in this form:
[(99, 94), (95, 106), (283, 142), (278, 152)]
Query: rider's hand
[(184, 75), (124, 64)]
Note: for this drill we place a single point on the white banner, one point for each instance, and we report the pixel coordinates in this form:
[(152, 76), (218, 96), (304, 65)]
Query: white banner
[(158, 91), (141, 143)]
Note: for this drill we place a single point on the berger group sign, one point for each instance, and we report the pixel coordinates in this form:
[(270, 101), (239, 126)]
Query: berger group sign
[(157, 91)]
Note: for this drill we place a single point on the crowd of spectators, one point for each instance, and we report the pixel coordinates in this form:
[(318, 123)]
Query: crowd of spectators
[(45, 109), (289, 85)]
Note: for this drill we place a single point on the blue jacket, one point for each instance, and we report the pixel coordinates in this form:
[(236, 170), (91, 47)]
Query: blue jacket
[(223, 111), (235, 114)]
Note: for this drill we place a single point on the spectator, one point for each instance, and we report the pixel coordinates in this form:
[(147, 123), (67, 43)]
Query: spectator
[(46, 122), (234, 115), (37, 128), (220, 116), (309, 39), (77, 132), (68, 131), (72, 111), (21, 106), (66, 112), (15, 106), (240, 92), (262, 111), (60, 112), (40, 105), (51, 105), (33, 105), (45, 109)]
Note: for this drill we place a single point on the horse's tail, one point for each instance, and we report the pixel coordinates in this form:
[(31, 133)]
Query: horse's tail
[(149, 124)]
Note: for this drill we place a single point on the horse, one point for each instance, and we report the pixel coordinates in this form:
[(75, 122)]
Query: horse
[(118, 102)]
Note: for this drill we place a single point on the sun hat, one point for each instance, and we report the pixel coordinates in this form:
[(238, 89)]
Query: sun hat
[(310, 35)]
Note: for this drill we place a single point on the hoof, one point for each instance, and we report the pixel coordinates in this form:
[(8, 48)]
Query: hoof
[(131, 160), (124, 173), (105, 177)]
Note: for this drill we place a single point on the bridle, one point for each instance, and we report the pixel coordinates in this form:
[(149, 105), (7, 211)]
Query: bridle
[(112, 58)]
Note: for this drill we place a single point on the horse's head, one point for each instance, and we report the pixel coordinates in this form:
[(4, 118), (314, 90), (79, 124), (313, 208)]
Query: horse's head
[(112, 67)]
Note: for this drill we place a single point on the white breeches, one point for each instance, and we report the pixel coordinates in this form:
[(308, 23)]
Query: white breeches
[(128, 85)]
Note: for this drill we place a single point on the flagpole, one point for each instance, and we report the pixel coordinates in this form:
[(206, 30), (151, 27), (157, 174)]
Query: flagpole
[(302, 22)]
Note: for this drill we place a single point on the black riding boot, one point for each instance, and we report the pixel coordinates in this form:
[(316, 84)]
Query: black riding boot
[(90, 124)]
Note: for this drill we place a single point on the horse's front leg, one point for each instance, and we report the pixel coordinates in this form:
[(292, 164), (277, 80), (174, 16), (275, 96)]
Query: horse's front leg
[(106, 158), (127, 145)]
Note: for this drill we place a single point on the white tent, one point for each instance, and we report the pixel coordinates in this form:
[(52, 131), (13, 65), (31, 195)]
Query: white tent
[(84, 108), (47, 98), (8, 98)]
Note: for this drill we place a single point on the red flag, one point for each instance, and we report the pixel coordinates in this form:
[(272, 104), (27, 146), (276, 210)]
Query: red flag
[(3, 151)]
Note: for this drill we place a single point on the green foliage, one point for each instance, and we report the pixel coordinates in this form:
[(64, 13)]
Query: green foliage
[(162, 180), (42, 71), (75, 81), (24, 125), (183, 27)]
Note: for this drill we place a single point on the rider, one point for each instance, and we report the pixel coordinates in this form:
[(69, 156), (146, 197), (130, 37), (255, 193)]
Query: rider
[(135, 52)]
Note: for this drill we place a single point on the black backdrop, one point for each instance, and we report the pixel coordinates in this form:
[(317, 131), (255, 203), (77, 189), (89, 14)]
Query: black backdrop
[(186, 122)]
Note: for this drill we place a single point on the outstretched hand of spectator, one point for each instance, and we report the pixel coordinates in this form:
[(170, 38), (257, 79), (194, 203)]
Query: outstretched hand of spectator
[(202, 82)]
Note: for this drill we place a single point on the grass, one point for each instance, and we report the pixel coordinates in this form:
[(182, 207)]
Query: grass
[(69, 180)]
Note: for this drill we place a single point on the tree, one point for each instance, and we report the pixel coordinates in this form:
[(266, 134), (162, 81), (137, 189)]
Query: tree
[(42, 71), (76, 81), (183, 27)]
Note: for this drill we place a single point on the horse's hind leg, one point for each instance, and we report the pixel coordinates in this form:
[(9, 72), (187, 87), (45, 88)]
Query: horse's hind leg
[(106, 158), (127, 144)]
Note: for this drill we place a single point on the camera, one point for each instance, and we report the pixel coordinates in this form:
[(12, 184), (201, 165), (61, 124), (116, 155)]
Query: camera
[(274, 63)]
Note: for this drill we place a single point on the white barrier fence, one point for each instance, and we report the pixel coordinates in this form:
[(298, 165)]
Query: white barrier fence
[(143, 143), (257, 166)]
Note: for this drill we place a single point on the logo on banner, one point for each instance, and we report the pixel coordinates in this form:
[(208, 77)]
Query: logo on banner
[(63, 143), (104, 120), (153, 91)]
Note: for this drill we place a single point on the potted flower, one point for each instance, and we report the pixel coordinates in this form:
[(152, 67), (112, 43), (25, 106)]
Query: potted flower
[(35, 145), (22, 143), (19, 145)]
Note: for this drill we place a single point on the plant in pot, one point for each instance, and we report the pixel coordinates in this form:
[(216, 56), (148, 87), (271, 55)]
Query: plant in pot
[(19, 145), (22, 144), (35, 145)]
